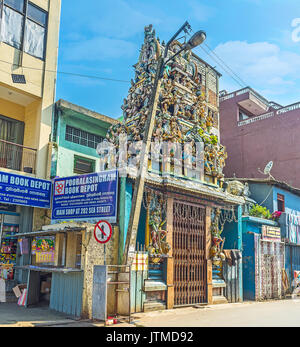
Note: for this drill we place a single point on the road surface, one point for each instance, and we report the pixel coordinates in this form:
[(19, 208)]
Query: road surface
[(279, 313)]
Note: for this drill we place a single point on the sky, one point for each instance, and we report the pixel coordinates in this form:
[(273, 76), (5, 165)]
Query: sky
[(258, 40)]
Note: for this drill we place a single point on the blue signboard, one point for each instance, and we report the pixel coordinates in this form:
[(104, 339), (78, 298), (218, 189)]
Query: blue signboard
[(86, 197), (25, 191)]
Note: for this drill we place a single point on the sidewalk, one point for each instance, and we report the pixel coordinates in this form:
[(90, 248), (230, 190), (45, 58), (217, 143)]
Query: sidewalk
[(12, 315)]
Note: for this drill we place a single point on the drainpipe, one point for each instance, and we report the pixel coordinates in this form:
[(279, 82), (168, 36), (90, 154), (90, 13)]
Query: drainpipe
[(1, 228), (122, 207), (240, 248)]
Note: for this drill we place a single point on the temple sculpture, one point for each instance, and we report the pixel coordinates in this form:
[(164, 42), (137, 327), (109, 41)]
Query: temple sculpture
[(183, 123), (182, 116)]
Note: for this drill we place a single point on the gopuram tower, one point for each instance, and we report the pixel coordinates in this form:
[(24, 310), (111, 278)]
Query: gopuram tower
[(183, 197)]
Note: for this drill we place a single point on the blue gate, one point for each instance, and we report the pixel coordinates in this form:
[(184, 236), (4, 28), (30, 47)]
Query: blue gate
[(66, 293), (292, 261)]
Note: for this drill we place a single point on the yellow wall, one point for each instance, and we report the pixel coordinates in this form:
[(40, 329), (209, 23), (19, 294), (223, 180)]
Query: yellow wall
[(12, 110), (33, 102)]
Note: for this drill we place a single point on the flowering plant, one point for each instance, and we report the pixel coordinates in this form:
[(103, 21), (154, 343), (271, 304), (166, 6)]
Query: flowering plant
[(276, 215)]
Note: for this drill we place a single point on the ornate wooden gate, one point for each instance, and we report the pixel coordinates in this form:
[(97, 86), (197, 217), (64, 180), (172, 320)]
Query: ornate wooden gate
[(189, 245)]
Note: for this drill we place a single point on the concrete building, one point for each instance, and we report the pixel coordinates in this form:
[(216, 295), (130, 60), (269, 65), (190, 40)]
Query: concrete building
[(256, 131), (270, 244), (28, 65), (65, 281)]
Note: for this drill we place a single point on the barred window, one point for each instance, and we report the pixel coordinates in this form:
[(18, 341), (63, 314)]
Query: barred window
[(83, 138), (83, 165)]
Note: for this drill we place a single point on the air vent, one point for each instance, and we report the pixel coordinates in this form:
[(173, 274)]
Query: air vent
[(18, 79)]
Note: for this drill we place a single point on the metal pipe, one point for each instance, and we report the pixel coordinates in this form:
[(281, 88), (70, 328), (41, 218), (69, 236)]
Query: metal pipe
[(1, 229)]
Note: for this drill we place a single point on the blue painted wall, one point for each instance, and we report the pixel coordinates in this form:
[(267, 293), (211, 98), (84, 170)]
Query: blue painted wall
[(248, 266), (262, 194), (292, 201), (128, 200), (64, 152), (231, 235), (250, 226)]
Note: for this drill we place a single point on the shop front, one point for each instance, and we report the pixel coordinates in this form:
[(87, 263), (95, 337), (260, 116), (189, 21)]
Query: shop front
[(19, 196), (62, 255)]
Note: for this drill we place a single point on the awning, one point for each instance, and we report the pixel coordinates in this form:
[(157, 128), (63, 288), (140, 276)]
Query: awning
[(51, 232), (49, 269)]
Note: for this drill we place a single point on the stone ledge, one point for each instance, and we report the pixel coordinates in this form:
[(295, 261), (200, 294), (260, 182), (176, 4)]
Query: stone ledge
[(151, 286)]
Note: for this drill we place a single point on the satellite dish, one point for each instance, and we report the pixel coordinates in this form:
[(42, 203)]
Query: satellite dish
[(268, 168)]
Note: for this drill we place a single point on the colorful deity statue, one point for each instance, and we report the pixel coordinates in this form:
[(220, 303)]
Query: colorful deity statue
[(158, 247), (216, 251), (181, 104)]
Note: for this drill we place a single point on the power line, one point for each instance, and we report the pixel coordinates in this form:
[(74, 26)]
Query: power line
[(215, 54), (223, 67)]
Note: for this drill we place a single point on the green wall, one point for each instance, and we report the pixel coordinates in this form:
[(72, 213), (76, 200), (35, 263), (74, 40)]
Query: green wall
[(65, 152)]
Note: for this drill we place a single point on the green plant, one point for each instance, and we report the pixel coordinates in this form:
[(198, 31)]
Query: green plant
[(260, 212), (214, 139)]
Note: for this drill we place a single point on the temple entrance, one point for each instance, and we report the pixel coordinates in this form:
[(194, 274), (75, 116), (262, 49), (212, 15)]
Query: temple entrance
[(189, 252)]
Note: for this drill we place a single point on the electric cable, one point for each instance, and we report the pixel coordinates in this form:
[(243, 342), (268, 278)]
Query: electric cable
[(224, 68), (223, 62)]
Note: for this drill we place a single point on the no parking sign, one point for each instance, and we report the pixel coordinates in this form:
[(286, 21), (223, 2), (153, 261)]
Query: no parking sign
[(103, 231)]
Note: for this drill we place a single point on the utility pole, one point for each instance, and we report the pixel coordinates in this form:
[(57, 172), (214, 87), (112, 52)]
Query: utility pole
[(138, 191)]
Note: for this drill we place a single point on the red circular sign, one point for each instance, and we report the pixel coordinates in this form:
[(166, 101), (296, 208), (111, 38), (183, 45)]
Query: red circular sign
[(103, 231)]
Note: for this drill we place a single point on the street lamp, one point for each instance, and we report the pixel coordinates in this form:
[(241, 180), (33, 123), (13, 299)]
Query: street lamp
[(138, 191), (196, 40)]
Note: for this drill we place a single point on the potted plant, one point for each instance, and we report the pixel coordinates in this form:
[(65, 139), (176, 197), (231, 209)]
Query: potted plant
[(260, 212)]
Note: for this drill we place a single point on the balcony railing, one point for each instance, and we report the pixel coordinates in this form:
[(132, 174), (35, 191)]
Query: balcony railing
[(17, 157)]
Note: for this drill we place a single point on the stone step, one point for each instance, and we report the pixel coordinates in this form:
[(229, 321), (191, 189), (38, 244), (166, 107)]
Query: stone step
[(219, 299), (154, 306), (151, 286)]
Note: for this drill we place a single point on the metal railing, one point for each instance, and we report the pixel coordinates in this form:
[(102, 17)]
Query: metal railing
[(17, 157)]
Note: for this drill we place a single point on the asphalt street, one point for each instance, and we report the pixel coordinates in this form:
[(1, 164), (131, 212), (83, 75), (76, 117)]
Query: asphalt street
[(279, 313)]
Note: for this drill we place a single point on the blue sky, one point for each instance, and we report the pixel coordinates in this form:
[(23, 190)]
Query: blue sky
[(255, 38)]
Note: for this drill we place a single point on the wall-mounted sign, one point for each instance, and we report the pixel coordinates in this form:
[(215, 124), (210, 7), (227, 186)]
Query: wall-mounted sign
[(270, 233), (24, 191), (86, 197), (103, 232)]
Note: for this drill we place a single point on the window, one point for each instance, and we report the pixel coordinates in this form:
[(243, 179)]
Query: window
[(83, 165), (11, 130), (24, 26), (83, 138), (280, 203), (243, 116)]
